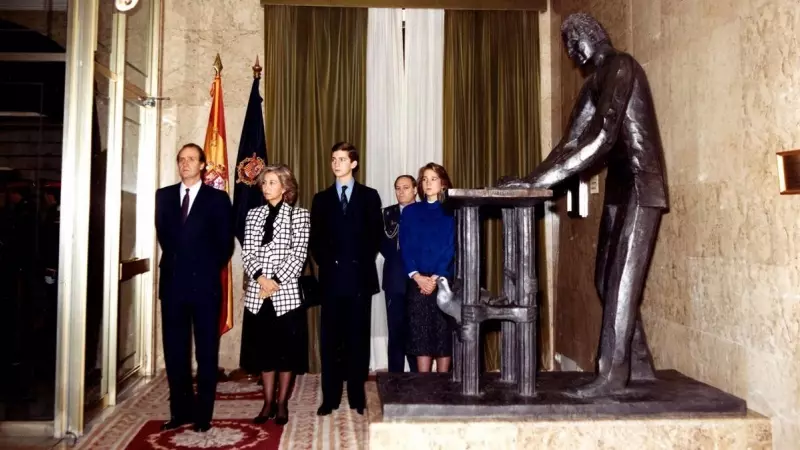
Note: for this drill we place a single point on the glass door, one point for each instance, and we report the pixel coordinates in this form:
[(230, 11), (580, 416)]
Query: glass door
[(131, 175), (138, 178), (134, 260)]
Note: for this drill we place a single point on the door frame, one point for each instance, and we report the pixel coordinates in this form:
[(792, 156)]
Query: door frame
[(82, 31)]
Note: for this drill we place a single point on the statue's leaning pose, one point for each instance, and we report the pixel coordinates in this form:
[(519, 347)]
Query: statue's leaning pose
[(613, 123)]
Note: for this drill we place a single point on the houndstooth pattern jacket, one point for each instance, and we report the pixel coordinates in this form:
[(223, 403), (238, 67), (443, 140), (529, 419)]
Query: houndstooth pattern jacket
[(282, 258)]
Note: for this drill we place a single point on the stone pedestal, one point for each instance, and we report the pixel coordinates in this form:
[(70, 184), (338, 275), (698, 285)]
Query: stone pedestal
[(411, 396), (752, 432)]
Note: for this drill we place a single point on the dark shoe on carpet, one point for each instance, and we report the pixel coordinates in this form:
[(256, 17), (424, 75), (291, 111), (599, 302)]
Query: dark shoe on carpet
[(324, 410), (173, 424), (201, 427), (265, 414), (282, 418)]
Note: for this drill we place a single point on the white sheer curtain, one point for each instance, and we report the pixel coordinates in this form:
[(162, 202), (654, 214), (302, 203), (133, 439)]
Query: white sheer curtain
[(404, 116), (424, 71), (385, 137)]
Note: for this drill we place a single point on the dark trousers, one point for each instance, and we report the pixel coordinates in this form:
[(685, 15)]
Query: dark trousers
[(178, 317), (625, 246), (397, 321), (345, 349)]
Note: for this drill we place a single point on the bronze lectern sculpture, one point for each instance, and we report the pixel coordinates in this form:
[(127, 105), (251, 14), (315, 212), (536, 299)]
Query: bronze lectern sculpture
[(613, 122)]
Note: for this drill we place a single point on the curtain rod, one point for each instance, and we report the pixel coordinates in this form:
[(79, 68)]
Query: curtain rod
[(497, 5)]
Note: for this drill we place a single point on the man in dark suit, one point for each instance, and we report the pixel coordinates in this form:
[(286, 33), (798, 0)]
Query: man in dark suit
[(345, 238), (395, 277), (193, 224)]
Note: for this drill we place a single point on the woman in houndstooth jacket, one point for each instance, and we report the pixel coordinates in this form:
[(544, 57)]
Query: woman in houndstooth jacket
[(274, 253)]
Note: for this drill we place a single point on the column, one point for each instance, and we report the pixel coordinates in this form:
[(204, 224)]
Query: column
[(471, 289), (458, 347), (526, 296), (509, 355)]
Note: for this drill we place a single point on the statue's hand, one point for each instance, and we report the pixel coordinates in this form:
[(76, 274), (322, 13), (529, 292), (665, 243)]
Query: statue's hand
[(509, 182)]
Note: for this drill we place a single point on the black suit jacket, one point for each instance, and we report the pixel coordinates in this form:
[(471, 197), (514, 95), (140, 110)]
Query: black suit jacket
[(395, 276), (194, 252), (364, 216)]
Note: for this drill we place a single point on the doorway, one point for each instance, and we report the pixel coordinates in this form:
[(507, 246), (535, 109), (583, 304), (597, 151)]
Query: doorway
[(32, 68)]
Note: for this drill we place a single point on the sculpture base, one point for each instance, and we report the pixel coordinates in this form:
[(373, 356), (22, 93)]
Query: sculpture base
[(751, 432), (413, 396)]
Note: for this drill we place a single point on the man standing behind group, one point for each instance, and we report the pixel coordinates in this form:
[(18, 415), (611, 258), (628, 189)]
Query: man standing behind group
[(345, 237), (395, 276), (193, 224)]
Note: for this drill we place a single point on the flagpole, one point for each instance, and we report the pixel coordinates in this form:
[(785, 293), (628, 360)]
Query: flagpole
[(216, 176), (217, 83), (240, 374)]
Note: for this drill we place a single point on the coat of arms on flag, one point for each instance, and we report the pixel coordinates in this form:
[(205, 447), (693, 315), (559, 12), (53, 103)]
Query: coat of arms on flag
[(248, 169)]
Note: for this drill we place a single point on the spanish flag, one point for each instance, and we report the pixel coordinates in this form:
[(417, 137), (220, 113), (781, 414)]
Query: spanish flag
[(217, 177)]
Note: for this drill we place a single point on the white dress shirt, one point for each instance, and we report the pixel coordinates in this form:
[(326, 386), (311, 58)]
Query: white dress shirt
[(193, 190)]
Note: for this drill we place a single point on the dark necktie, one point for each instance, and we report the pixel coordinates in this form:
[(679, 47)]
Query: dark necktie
[(344, 200), (185, 206)]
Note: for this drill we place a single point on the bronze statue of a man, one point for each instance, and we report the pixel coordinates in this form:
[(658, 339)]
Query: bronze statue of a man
[(613, 123)]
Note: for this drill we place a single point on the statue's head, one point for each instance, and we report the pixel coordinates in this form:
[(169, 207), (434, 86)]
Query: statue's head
[(582, 35)]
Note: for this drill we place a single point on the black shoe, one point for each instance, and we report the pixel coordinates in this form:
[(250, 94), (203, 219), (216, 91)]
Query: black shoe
[(324, 410), (173, 424), (359, 409), (262, 418), (201, 427), (283, 419)]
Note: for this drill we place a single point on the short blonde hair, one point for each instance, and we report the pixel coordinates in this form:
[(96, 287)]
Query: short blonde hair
[(285, 176)]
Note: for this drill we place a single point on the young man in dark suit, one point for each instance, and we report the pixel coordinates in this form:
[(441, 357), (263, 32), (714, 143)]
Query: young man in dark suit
[(345, 237), (193, 224), (395, 276)]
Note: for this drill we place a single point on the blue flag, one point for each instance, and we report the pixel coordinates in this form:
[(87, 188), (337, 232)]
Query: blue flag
[(251, 159)]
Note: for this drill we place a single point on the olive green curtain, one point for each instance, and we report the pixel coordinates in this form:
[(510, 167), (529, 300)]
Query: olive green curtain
[(491, 118), (314, 96)]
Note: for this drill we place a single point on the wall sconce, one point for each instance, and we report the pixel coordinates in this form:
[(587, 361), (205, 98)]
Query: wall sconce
[(789, 171)]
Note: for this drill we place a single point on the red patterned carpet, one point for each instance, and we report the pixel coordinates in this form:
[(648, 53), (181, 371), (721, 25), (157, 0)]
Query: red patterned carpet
[(135, 423)]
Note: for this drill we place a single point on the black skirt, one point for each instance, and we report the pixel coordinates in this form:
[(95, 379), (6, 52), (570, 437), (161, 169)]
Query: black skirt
[(271, 342), (430, 333)]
